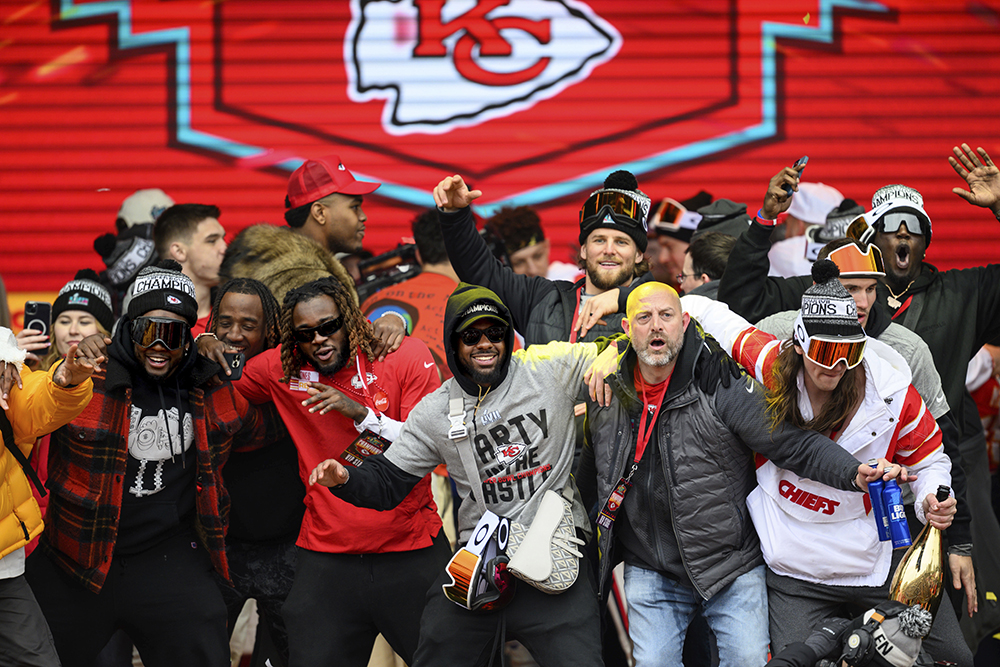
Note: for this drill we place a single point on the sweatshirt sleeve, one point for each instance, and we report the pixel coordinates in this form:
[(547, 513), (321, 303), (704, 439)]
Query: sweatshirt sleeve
[(475, 264), (377, 484), (742, 408), (917, 447), (745, 285), (254, 385)]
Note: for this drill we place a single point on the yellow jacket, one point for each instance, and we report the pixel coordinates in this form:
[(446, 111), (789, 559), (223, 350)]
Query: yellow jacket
[(40, 407)]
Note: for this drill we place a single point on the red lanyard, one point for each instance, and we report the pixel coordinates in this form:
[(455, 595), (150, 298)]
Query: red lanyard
[(576, 316), (647, 422)]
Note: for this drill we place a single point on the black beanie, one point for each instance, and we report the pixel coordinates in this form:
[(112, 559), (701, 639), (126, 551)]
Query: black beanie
[(624, 182), (85, 293), (162, 287)]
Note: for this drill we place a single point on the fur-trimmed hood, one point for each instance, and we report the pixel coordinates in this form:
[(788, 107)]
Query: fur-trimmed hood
[(281, 259)]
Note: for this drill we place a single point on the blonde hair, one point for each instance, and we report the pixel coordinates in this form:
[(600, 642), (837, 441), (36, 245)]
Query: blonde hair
[(53, 354)]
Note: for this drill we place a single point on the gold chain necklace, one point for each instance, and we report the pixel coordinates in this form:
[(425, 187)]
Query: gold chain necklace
[(893, 299)]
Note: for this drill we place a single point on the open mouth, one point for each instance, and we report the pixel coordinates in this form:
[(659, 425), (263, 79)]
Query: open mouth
[(657, 344), (484, 359), (157, 361), (325, 353), (902, 257)]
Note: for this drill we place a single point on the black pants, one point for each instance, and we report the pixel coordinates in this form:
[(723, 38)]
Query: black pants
[(340, 603), (562, 629), (164, 598), (264, 572), (25, 639)]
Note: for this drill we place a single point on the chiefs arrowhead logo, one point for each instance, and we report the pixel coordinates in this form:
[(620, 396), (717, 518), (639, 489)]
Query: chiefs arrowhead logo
[(440, 66), (540, 99), (507, 455)]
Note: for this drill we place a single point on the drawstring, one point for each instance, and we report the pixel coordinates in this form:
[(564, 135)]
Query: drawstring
[(166, 420), (482, 397), (180, 421), (498, 640)]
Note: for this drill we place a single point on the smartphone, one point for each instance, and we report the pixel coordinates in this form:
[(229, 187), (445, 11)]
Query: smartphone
[(38, 316), (234, 362), (801, 162)]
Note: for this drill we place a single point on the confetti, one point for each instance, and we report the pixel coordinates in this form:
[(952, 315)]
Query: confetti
[(805, 19), (104, 189)]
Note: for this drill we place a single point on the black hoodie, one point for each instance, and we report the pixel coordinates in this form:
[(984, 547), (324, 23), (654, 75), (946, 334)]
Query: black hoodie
[(465, 296), (158, 495)]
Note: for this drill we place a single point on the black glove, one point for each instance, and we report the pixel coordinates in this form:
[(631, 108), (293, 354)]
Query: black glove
[(715, 367), (827, 639)]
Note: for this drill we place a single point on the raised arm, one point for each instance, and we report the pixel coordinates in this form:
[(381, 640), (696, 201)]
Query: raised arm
[(472, 259), (981, 175), (745, 285)]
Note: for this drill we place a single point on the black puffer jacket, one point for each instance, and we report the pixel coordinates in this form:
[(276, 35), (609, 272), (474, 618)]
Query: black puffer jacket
[(705, 442)]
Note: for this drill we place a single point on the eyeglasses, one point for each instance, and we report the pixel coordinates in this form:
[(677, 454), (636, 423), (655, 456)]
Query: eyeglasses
[(148, 331), (828, 353), (326, 329), (852, 262), (681, 276), (494, 334), (628, 208)]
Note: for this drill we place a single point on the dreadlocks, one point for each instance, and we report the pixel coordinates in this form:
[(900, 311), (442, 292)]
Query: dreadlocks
[(267, 303), (359, 330)]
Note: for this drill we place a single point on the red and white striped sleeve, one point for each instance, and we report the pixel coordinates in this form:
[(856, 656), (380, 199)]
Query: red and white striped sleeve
[(754, 349)]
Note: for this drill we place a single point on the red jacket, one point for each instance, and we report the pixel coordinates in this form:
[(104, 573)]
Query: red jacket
[(87, 469)]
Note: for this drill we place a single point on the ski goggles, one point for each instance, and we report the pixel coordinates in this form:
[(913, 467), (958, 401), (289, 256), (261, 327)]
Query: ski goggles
[(326, 329), (493, 334), (171, 334), (890, 222), (828, 352), (624, 206), (853, 262)]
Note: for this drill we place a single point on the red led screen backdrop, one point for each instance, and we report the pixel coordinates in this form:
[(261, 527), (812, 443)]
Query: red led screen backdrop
[(534, 101)]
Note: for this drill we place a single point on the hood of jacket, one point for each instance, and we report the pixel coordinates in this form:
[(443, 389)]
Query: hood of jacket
[(464, 297), (280, 258), (122, 365)]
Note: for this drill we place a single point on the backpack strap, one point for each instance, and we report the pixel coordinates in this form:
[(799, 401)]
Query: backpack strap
[(458, 433), (8, 440)]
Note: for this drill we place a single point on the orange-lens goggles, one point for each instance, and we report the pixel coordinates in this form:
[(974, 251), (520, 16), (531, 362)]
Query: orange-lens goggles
[(624, 207), (828, 353), (859, 230), (851, 261)]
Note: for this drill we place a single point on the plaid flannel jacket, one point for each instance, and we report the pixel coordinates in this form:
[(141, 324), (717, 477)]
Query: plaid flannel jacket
[(87, 470)]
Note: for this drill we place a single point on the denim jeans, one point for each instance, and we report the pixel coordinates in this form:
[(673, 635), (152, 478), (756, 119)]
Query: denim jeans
[(660, 609)]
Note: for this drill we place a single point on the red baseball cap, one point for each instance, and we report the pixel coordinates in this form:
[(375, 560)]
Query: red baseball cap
[(316, 179)]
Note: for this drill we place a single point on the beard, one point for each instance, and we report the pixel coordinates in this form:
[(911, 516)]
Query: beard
[(661, 357), (481, 377), (336, 363), (605, 280)]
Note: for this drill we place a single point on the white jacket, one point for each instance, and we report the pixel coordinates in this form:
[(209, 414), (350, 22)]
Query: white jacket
[(811, 531)]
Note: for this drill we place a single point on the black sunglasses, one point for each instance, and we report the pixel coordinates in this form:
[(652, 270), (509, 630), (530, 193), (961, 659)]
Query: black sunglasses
[(325, 330), (494, 334), (148, 331)]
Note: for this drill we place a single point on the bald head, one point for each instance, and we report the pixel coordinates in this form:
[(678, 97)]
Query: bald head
[(655, 324), (648, 293)]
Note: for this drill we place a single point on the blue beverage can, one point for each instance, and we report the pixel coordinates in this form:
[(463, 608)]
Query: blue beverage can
[(875, 491), (898, 527)]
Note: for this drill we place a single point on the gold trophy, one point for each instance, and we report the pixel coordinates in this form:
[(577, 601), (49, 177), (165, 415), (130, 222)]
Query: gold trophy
[(919, 577)]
